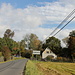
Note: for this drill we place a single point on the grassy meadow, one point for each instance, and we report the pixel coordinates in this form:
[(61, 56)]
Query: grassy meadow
[(49, 68)]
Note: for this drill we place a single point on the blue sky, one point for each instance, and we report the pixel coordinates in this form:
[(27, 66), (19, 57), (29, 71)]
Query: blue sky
[(24, 3), (35, 16)]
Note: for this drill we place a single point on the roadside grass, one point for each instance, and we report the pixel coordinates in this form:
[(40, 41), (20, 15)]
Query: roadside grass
[(49, 68), (32, 69), (17, 58)]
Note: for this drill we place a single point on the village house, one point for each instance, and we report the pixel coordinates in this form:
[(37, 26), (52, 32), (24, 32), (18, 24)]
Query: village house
[(48, 52)]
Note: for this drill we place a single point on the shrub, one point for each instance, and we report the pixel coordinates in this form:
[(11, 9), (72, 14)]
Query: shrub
[(0, 54), (59, 58), (49, 57), (26, 53)]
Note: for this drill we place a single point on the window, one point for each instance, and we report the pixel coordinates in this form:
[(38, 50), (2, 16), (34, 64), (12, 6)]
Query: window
[(47, 52)]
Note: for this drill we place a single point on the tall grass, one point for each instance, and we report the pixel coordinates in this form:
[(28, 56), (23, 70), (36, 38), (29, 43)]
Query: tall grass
[(57, 68), (31, 69), (49, 68)]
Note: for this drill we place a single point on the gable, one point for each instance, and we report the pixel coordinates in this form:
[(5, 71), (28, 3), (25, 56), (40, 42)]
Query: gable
[(47, 52)]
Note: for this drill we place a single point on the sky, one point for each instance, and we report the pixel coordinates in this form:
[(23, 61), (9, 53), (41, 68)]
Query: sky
[(39, 17)]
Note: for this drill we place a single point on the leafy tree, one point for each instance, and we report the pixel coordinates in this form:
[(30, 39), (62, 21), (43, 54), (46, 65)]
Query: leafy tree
[(22, 47), (8, 33), (54, 44), (4, 49), (72, 46), (32, 41), (6, 53), (72, 33), (10, 43), (70, 42), (2, 44), (65, 53)]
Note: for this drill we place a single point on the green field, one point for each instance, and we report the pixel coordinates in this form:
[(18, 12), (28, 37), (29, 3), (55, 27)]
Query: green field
[(49, 68)]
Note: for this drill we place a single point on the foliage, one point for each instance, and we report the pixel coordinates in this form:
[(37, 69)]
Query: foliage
[(70, 42), (8, 33), (8, 43), (32, 41), (65, 53), (72, 46), (1, 54), (72, 33), (22, 45), (48, 58), (26, 53), (54, 44), (6, 53), (2, 44)]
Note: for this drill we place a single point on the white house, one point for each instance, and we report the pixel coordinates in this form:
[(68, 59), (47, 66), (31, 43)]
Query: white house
[(48, 52)]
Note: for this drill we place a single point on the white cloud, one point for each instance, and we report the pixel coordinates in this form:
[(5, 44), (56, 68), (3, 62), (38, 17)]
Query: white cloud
[(28, 20), (67, 2)]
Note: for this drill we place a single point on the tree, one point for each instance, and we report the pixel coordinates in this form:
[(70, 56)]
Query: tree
[(8, 33), (65, 40), (54, 44), (70, 42), (6, 53), (22, 47), (32, 41), (2, 43), (72, 33), (72, 46), (5, 49), (10, 43)]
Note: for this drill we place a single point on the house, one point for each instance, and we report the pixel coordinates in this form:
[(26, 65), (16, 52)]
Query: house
[(48, 52)]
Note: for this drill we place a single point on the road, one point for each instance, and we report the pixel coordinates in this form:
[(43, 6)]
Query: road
[(15, 67)]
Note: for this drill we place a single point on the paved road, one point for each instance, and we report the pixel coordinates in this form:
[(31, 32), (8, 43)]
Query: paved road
[(13, 67)]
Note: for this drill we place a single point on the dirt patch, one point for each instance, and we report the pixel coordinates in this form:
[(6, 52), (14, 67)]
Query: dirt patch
[(47, 71)]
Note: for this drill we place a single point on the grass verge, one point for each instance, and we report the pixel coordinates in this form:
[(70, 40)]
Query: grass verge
[(15, 58), (32, 69)]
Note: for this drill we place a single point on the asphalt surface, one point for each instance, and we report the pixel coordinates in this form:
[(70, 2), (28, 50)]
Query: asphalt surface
[(15, 67)]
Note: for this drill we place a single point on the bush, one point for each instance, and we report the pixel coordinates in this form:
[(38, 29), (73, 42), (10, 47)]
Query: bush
[(48, 58), (64, 59), (0, 54), (59, 58), (26, 53)]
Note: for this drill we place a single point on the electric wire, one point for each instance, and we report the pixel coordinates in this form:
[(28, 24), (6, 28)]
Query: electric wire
[(61, 24), (64, 26), (63, 21)]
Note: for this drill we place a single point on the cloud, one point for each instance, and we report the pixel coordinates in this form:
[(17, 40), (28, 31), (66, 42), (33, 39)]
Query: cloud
[(69, 2), (29, 19)]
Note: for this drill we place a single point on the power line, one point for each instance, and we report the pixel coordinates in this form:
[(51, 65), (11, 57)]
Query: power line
[(64, 26), (61, 23)]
